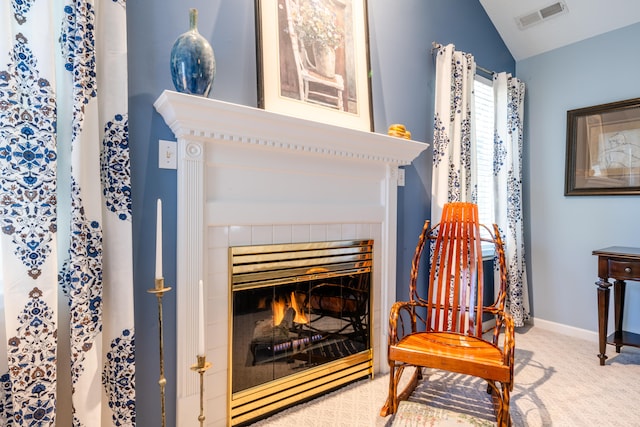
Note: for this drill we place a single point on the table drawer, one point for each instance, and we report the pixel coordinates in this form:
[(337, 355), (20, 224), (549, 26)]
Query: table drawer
[(624, 270)]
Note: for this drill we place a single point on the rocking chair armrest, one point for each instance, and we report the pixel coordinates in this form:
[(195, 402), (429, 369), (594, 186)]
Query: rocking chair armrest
[(492, 309), (394, 314), (505, 319), (499, 314)]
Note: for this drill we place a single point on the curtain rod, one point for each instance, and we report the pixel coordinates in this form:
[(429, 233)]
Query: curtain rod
[(437, 46)]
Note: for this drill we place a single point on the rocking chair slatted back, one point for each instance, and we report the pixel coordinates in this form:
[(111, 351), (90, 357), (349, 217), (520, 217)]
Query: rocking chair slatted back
[(454, 302)]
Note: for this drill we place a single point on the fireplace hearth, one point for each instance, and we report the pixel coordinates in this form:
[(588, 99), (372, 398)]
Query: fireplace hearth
[(299, 312)]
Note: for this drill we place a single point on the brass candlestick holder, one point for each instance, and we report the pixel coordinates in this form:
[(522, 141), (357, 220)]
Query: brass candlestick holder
[(159, 291), (201, 367)]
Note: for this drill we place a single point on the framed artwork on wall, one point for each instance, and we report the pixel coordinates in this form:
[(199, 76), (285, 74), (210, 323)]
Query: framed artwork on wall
[(313, 60), (603, 149)]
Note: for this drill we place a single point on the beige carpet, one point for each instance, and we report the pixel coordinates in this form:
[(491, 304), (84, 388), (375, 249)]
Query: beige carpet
[(558, 382)]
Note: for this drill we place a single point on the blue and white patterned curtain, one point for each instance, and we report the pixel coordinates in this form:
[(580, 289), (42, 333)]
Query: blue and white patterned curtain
[(509, 118), (65, 215), (454, 176), (454, 159)]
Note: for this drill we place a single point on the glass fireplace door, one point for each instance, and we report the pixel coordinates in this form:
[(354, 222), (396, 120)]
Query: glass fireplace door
[(279, 330)]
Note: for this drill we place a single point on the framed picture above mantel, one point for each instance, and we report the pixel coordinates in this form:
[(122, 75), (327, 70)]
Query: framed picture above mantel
[(603, 149), (313, 60)]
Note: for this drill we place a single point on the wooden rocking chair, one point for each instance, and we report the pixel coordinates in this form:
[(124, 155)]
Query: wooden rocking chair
[(445, 331)]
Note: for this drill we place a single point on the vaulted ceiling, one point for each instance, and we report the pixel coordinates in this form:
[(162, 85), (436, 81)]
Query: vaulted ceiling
[(574, 21)]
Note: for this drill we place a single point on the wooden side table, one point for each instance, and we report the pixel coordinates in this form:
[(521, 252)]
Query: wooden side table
[(618, 263)]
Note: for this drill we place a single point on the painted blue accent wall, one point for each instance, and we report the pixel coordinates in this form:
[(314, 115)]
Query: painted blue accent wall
[(401, 33)]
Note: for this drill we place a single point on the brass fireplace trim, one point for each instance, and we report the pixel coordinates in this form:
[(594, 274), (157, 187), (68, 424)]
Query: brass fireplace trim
[(258, 401), (267, 265)]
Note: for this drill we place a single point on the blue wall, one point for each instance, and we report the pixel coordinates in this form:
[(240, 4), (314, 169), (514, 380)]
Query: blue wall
[(401, 33), (563, 231)]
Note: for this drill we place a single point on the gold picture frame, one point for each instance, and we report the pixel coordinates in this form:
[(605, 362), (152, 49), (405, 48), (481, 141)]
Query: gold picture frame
[(313, 60), (603, 149)]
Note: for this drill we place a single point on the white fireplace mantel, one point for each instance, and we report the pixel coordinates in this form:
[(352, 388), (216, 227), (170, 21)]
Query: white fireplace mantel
[(242, 168)]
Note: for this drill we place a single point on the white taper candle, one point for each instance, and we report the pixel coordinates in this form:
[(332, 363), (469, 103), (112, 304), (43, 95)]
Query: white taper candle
[(201, 351), (159, 240)]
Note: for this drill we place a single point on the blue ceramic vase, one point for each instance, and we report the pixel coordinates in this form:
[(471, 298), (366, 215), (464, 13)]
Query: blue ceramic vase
[(193, 65)]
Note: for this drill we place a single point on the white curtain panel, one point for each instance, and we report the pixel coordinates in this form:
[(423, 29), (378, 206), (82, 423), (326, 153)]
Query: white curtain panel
[(65, 215), (454, 170), (509, 117), (454, 159)]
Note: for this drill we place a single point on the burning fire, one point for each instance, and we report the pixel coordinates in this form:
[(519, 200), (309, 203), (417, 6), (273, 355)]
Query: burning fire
[(279, 308)]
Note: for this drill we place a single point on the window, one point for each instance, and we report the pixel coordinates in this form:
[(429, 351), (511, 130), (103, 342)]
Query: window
[(484, 119)]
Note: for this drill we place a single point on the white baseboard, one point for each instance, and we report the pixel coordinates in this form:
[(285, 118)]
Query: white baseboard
[(571, 331)]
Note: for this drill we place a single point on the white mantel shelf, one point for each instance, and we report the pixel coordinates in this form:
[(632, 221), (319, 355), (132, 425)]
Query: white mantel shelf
[(200, 118), (243, 168)]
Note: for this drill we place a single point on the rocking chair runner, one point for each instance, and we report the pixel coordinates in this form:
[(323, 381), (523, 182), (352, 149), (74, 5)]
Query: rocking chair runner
[(445, 330)]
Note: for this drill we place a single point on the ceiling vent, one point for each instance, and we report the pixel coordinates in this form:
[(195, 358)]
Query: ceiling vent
[(529, 19)]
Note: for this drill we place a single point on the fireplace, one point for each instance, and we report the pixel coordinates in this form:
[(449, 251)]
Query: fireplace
[(300, 322), (249, 177)]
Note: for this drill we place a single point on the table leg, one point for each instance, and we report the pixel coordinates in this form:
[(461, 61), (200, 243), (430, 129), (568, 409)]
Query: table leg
[(619, 287), (603, 317)]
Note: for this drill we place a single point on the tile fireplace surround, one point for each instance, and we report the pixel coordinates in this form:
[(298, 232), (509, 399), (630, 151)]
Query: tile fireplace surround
[(252, 177)]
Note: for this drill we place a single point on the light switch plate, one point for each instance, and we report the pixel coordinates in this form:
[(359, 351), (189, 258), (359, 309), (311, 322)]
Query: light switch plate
[(400, 177), (167, 154)]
